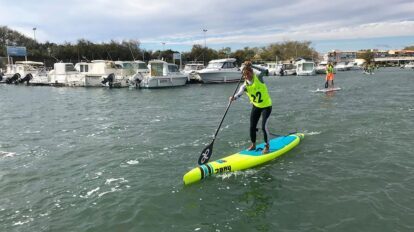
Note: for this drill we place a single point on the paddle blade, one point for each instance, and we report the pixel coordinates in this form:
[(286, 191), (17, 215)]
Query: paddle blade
[(205, 154)]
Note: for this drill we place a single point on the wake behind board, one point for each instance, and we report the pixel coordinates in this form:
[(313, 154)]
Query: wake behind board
[(244, 159), (326, 90)]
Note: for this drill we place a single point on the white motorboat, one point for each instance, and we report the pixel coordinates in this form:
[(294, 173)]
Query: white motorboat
[(341, 66), (289, 69), (134, 70), (40, 78), (162, 74), (191, 70), (31, 72), (321, 67), (409, 65), (23, 68), (65, 74), (352, 65), (305, 68), (262, 67), (274, 68), (103, 73), (220, 71)]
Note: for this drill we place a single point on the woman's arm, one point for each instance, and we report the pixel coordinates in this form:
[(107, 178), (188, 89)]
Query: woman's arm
[(240, 92), (261, 74)]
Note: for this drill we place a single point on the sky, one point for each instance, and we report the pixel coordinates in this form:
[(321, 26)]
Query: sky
[(179, 24)]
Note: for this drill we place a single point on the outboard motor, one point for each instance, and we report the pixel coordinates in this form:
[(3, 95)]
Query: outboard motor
[(1, 76), (109, 79), (138, 78), (13, 79), (26, 79)]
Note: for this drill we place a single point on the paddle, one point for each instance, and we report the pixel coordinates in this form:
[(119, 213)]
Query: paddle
[(206, 153)]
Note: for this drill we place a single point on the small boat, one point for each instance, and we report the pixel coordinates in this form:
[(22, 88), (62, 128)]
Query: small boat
[(29, 72), (40, 78), (100, 73), (341, 66), (305, 67), (273, 68), (220, 71), (352, 65), (321, 67), (191, 70), (409, 65), (65, 74), (134, 70), (162, 75), (289, 69)]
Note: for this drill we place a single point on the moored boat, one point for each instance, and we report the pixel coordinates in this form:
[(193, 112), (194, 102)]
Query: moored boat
[(220, 71), (321, 67), (65, 74), (29, 72), (191, 70), (305, 67), (102, 73), (162, 75), (134, 70)]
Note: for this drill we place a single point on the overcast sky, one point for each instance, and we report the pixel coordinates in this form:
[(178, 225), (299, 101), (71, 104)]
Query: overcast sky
[(336, 24)]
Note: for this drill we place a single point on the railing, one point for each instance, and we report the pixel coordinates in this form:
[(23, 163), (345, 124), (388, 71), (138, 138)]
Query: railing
[(398, 58)]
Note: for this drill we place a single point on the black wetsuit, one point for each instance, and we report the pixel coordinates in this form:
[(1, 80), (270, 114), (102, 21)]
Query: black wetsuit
[(254, 119), (257, 112)]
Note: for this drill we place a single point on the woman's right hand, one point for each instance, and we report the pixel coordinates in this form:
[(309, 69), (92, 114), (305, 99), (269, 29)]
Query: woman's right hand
[(231, 99)]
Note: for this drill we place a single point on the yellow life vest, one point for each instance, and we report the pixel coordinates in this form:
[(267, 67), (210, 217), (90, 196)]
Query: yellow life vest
[(258, 94), (329, 69)]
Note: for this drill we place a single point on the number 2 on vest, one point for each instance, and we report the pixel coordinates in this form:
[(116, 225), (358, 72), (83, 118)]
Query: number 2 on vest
[(259, 96)]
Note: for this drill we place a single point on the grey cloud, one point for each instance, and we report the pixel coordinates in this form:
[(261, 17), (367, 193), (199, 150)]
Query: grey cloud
[(182, 20)]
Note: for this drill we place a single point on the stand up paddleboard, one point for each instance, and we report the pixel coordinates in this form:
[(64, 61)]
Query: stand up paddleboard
[(244, 159), (326, 90), (368, 73)]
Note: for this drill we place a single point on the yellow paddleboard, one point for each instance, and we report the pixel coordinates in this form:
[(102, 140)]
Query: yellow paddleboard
[(244, 159)]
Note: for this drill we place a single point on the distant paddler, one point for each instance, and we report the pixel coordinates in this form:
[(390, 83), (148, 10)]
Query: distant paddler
[(256, 90), (330, 76)]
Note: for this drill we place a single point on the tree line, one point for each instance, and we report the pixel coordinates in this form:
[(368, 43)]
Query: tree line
[(83, 50)]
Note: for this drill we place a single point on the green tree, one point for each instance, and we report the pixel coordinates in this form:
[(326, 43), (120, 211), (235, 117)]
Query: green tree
[(367, 55), (289, 50)]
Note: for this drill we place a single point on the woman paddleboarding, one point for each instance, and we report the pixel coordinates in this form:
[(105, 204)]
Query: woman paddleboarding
[(256, 90), (330, 76)]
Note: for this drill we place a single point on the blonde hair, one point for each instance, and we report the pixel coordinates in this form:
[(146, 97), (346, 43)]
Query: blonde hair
[(247, 67)]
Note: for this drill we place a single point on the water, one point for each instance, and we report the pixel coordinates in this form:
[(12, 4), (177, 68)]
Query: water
[(91, 159)]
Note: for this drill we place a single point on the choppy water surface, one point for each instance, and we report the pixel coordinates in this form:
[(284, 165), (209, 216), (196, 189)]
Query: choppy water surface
[(91, 159)]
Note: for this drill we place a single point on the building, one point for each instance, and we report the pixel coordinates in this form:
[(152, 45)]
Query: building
[(393, 57), (381, 57), (337, 56)]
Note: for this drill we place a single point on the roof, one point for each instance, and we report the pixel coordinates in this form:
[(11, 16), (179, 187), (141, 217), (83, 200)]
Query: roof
[(223, 60), (156, 61), (195, 64), (29, 62)]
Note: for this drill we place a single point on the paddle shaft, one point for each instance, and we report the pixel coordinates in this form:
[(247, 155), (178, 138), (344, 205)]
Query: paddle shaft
[(208, 151), (227, 109)]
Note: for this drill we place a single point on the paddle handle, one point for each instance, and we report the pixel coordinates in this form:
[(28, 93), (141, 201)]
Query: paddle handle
[(227, 109)]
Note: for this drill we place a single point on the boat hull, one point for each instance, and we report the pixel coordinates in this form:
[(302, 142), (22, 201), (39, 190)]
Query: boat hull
[(220, 77), (163, 82)]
